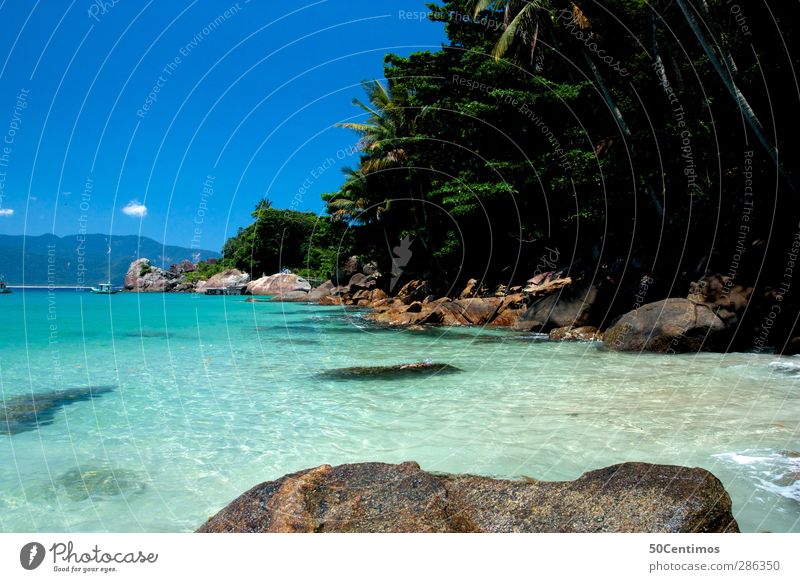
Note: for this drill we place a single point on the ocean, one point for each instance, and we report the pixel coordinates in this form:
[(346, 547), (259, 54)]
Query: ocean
[(153, 411)]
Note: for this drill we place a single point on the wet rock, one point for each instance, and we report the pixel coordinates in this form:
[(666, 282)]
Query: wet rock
[(587, 333), (31, 411), (671, 325), (378, 497), (321, 291), (290, 296), (330, 300), (389, 372), (278, 284), (572, 306)]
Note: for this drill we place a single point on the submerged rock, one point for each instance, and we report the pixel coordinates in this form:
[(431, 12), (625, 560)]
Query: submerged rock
[(378, 497), (389, 372), (29, 412), (99, 483)]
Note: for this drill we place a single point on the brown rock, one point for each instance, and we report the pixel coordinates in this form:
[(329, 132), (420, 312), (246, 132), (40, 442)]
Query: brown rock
[(377, 497), (547, 287), (321, 291), (377, 295), (415, 307), (570, 307), (415, 290), (671, 325), (470, 290), (330, 300)]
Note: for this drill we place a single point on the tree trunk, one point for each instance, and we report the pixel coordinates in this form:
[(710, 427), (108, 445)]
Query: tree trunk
[(730, 85), (615, 110)]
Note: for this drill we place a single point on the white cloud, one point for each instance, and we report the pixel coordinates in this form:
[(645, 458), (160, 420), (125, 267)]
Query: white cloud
[(135, 208), (6, 211)]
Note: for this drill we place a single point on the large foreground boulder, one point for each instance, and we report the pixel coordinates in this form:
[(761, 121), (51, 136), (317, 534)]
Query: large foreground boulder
[(278, 284), (227, 278), (671, 325), (378, 497)]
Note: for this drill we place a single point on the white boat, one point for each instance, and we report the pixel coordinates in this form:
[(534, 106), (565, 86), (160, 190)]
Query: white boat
[(4, 288), (105, 289)]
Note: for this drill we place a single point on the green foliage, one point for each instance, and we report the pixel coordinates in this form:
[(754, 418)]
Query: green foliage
[(302, 242), (145, 269), (520, 136)]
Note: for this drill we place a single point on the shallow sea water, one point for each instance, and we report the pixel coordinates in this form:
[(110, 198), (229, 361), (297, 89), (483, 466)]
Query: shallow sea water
[(212, 395)]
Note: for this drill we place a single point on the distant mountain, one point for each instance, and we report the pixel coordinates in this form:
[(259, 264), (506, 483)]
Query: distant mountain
[(68, 261)]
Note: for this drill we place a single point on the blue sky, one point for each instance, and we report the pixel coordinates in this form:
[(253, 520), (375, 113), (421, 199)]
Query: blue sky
[(171, 119)]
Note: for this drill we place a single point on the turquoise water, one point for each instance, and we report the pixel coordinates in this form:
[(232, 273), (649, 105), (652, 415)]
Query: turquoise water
[(199, 398)]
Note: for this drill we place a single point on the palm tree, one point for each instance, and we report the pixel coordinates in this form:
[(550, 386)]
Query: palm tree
[(352, 201), (726, 75), (383, 132), (521, 19)]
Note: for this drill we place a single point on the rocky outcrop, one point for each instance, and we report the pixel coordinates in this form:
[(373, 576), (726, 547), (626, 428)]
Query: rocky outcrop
[(143, 277), (443, 311), (570, 306), (227, 278), (378, 497), (350, 267), (324, 290), (278, 284), (728, 299), (668, 326)]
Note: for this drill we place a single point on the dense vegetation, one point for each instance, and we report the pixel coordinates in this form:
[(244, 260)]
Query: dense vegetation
[(627, 135)]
